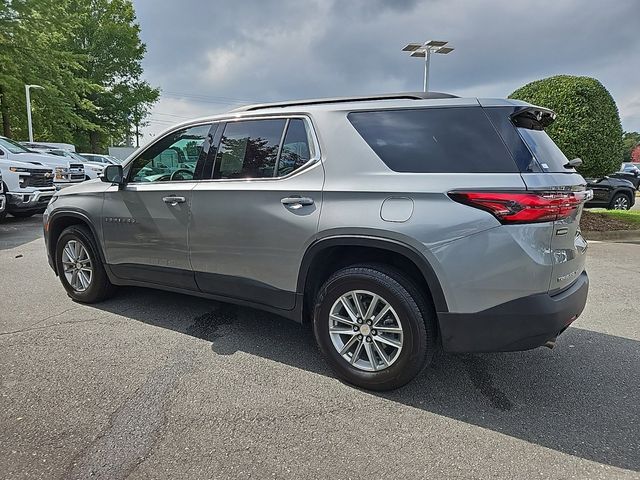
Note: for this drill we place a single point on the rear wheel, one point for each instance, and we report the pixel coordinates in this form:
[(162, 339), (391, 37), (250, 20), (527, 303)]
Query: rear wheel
[(79, 266), (620, 201), (374, 327)]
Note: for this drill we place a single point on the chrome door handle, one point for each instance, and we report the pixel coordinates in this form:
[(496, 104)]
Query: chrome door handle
[(295, 203), (173, 201)]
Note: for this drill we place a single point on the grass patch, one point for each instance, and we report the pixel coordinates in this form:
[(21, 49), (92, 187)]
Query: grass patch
[(628, 216), (601, 220)]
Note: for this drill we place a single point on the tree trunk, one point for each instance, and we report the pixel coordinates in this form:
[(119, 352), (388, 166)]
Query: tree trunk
[(93, 140), (137, 135), (4, 111)]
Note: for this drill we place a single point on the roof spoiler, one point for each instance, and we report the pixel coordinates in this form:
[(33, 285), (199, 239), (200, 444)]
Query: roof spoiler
[(532, 117)]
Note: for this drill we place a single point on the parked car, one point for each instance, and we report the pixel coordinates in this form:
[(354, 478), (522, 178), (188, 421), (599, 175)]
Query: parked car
[(394, 224), (611, 193), (27, 187), (98, 158), (91, 169), (50, 145), (628, 171), (65, 172)]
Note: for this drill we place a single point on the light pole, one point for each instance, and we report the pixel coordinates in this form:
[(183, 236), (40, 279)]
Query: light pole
[(424, 50), (29, 126)]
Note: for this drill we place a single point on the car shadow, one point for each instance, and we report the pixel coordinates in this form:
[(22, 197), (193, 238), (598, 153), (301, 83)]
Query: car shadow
[(15, 232), (581, 399)]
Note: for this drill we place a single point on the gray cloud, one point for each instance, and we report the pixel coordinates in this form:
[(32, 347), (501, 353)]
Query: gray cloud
[(208, 55)]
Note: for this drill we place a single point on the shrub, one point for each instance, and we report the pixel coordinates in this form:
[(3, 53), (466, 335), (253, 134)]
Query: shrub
[(588, 125)]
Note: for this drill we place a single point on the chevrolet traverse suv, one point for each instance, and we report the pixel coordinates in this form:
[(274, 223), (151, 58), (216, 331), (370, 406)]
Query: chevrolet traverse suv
[(393, 224)]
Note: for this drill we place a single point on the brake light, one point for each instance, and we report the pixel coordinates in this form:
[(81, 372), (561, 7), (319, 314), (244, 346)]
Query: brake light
[(523, 207)]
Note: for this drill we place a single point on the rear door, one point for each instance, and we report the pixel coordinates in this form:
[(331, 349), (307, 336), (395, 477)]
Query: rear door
[(544, 169), (252, 222)]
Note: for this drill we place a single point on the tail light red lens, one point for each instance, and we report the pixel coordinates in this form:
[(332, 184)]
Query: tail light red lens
[(523, 207)]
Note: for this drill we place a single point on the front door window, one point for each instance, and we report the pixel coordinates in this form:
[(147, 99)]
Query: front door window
[(173, 158)]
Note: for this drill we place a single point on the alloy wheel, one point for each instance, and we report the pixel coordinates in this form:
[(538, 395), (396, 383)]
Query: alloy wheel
[(365, 330), (78, 269), (621, 203)]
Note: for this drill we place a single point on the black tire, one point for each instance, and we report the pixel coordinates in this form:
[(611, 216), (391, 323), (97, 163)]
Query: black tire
[(413, 308), (100, 287), (617, 198), (23, 214), (3, 215)]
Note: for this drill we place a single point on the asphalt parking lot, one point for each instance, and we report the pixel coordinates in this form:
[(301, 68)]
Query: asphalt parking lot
[(157, 385)]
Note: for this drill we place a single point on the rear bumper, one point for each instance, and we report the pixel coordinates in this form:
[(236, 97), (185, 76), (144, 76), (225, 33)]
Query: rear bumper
[(520, 324)]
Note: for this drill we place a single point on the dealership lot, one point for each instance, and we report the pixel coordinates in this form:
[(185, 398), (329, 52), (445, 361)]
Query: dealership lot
[(158, 385)]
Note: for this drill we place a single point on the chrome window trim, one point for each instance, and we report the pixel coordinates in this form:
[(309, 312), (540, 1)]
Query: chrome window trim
[(312, 136)]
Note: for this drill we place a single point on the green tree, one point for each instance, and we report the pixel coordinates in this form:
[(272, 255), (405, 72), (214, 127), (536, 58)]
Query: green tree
[(109, 37), (588, 124), (33, 51), (630, 141), (87, 55)]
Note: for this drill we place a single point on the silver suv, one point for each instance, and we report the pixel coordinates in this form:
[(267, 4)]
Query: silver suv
[(395, 225)]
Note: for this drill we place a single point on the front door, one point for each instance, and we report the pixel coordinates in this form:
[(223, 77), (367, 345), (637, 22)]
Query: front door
[(145, 223), (252, 223)]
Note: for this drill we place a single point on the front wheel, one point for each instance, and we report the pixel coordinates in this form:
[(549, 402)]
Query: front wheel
[(79, 266), (620, 202), (374, 327)]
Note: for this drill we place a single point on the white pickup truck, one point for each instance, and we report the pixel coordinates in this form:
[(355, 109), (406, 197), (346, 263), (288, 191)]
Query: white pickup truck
[(27, 187), (66, 172), (27, 184)]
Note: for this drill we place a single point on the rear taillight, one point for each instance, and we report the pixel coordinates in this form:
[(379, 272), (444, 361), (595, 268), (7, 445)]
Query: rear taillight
[(523, 207)]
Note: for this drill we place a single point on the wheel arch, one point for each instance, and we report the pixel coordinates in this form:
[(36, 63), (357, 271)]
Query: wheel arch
[(58, 221), (335, 252)]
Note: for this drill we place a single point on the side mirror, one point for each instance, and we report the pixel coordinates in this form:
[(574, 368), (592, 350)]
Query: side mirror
[(113, 174)]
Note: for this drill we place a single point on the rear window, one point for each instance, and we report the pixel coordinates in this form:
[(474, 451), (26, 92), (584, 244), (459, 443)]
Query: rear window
[(434, 140), (549, 156)]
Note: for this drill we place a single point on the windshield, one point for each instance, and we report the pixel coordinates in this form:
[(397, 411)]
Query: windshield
[(12, 146), (549, 156)]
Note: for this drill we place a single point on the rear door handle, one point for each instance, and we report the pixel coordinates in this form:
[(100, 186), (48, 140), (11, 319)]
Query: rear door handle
[(173, 200), (295, 203)]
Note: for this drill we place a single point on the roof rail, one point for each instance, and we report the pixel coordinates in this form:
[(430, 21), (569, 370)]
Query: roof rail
[(368, 98)]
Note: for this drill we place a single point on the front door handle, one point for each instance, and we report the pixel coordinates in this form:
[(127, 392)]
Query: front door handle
[(173, 200), (295, 203)]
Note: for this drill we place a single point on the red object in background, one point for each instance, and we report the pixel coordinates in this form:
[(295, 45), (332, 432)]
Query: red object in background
[(635, 154)]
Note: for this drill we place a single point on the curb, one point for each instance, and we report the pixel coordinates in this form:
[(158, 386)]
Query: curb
[(631, 236)]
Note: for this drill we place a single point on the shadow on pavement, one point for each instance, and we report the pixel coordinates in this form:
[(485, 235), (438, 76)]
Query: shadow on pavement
[(18, 231), (581, 399)]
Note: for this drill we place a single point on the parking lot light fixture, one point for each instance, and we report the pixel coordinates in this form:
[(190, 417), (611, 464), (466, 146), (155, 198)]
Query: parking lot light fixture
[(424, 50), (28, 96)]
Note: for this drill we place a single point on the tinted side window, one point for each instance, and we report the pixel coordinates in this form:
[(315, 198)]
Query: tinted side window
[(249, 149), (434, 140), (295, 148), (172, 158)]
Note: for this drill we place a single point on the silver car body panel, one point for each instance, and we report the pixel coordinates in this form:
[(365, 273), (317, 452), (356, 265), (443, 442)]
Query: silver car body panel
[(240, 229)]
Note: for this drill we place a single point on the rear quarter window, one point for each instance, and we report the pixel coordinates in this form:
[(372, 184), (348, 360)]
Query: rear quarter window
[(434, 140)]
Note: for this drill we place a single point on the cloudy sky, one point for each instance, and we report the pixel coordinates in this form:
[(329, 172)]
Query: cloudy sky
[(209, 55)]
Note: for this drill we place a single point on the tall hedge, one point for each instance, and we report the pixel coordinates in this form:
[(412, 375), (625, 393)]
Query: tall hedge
[(587, 126)]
